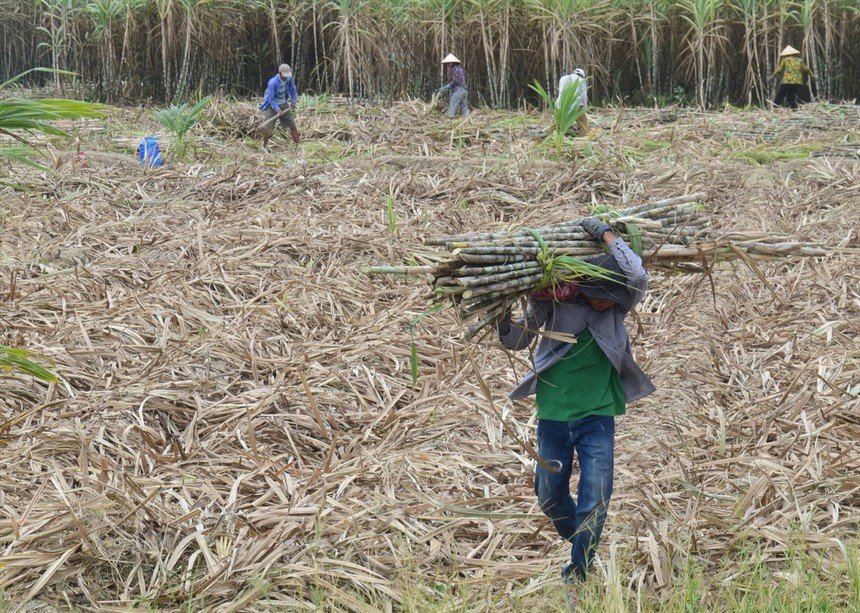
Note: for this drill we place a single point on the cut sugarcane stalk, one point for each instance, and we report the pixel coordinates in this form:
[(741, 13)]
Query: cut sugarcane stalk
[(483, 273), (468, 271), (502, 287), (471, 258)]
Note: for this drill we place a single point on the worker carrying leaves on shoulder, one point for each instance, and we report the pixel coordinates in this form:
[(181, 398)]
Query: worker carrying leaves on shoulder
[(578, 81), (584, 375), (459, 102), (274, 106), (793, 72)]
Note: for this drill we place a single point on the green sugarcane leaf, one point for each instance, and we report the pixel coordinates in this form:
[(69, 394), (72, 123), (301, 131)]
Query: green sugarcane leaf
[(19, 359), (23, 155), (23, 115), (179, 120), (413, 349), (537, 237), (564, 114), (570, 269), (635, 233), (39, 69), (413, 357)]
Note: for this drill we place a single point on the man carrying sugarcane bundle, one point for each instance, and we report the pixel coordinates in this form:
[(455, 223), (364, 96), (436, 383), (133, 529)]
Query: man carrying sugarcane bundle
[(459, 102), (576, 80), (274, 105), (584, 375)]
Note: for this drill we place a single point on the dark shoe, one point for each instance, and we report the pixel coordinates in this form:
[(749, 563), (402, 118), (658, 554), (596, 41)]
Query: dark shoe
[(571, 574)]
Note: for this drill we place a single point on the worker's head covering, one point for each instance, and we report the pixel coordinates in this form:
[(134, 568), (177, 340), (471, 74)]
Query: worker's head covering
[(789, 50), (451, 59), (285, 70), (579, 72), (615, 288)]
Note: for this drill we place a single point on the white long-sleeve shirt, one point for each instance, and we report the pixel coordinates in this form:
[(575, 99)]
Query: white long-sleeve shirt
[(572, 80)]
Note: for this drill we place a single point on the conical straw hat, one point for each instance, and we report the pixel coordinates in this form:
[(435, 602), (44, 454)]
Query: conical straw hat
[(789, 50), (451, 59)]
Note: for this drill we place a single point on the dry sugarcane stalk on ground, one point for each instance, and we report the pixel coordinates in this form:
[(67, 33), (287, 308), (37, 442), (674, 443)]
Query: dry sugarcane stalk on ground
[(482, 274)]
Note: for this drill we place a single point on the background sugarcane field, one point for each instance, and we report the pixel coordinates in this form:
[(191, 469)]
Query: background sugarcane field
[(635, 51), (256, 380)]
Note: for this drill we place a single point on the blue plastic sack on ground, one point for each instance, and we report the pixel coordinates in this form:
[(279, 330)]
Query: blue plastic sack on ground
[(150, 154)]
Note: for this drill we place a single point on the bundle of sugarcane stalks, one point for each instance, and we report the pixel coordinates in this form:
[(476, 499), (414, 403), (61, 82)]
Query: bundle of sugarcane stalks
[(484, 274)]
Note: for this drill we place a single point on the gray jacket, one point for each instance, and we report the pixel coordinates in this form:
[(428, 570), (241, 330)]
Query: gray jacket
[(573, 317)]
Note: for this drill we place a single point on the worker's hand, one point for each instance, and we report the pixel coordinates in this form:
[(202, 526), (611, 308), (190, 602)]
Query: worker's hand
[(292, 107), (281, 113), (444, 88), (595, 227), (503, 324)]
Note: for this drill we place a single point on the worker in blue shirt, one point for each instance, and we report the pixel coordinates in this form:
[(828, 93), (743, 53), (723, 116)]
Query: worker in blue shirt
[(274, 104)]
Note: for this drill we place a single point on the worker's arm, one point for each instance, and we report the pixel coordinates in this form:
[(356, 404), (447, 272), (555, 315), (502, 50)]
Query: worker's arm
[(269, 97), (291, 90), (630, 263), (779, 67), (520, 334)]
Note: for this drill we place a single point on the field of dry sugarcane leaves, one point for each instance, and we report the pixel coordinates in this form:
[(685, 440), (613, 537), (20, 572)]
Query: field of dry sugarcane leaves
[(236, 426)]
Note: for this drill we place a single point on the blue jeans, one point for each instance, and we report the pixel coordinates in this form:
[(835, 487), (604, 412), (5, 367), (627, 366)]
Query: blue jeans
[(581, 522)]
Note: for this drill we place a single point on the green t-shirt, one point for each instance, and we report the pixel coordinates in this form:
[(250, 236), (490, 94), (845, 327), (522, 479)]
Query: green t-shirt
[(581, 384)]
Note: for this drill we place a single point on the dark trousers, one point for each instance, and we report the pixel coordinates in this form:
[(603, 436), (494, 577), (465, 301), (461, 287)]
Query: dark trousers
[(788, 93), (578, 522)]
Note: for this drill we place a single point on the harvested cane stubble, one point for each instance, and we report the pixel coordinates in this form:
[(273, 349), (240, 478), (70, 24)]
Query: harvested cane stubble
[(235, 426)]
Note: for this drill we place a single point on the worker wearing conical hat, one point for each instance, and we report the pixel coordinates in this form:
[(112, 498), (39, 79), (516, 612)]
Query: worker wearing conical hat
[(459, 102), (793, 71)]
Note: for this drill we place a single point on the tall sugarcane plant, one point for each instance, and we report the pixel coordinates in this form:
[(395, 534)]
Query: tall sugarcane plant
[(705, 35), (169, 49), (492, 19), (57, 15), (755, 73)]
